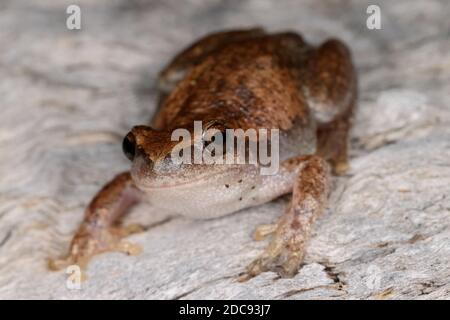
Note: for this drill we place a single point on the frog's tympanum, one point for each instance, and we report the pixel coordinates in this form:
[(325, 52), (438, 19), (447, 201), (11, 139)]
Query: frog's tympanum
[(245, 79)]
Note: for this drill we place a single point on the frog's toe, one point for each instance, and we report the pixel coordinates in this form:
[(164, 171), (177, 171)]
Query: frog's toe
[(128, 248), (58, 264), (133, 228), (263, 230), (340, 168)]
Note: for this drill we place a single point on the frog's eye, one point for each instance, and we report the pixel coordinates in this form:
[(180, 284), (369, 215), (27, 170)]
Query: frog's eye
[(129, 146)]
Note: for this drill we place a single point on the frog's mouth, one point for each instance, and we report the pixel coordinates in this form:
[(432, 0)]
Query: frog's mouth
[(144, 183), (192, 175)]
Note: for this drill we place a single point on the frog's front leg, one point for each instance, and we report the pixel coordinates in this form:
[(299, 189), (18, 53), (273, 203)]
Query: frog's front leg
[(285, 252), (100, 230)]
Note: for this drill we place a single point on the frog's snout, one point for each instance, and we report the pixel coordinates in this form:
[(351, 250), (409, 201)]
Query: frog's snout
[(133, 152), (129, 146)]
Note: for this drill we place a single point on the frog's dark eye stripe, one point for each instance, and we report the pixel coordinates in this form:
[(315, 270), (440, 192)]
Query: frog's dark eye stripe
[(129, 146)]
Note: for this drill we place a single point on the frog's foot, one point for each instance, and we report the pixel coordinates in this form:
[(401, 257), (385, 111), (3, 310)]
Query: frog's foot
[(100, 230), (283, 255), (87, 244)]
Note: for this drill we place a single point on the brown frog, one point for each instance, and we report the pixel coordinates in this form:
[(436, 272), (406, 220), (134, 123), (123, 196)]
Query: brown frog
[(245, 79)]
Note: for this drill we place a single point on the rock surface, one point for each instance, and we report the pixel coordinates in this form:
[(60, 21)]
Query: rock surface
[(67, 98)]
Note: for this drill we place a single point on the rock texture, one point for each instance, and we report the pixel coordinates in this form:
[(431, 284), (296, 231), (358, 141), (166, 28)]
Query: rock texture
[(67, 98)]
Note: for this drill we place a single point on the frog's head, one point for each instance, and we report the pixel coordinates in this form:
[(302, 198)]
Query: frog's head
[(186, 188), (156, 165)]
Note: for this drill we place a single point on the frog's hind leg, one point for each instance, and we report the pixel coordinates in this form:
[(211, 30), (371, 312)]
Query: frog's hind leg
[(332, 143), (330, 90)]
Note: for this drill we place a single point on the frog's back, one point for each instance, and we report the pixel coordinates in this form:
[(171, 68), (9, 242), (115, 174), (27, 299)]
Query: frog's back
[(250, 83)]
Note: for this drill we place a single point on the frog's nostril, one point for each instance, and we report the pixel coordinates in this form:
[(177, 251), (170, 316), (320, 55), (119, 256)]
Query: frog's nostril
[(129, 146)]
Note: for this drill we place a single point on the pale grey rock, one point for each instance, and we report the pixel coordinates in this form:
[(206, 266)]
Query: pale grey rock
[(67, 98)]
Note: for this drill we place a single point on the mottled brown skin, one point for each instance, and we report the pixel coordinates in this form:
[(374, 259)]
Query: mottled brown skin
[(238, 79)]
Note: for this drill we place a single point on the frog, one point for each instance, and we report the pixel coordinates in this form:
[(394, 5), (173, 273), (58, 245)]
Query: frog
[(235, 79)]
